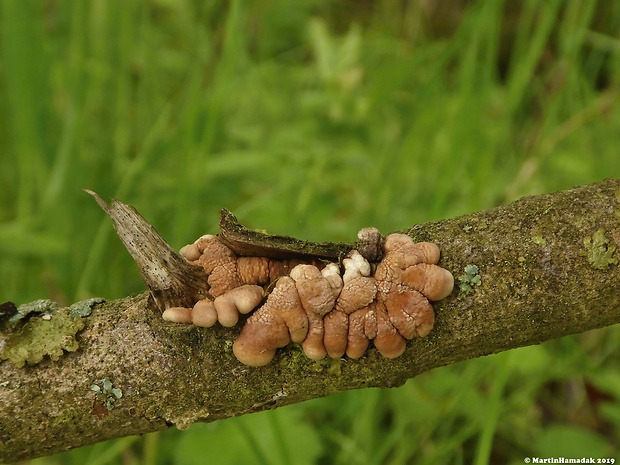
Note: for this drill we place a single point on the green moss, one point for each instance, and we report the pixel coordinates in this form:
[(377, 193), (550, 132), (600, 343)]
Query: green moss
[(539, 240), (335, 367), (41, 336), (600, 251)]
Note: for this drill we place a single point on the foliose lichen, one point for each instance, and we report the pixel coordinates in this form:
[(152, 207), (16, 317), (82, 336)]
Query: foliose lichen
[(106, 393), (468, 280), (600, 251), (40, 336), (38, 307), (41, 328), (46, 308)]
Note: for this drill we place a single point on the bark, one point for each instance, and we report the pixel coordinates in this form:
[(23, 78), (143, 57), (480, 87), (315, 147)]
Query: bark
[(547, 267)]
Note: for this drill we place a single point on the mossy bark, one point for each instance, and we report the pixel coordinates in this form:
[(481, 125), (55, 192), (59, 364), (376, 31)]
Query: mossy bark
[(540, 279)]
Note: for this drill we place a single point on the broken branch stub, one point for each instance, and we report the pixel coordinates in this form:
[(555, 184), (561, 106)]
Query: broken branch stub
[(173, 281)]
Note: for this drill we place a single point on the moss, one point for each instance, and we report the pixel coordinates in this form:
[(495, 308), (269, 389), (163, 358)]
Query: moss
[(334, 368), (600, 251), (41, 336)]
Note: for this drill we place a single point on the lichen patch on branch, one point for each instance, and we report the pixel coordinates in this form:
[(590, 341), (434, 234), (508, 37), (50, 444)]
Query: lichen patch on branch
[(329, 312), (600, 250), (49, 335)]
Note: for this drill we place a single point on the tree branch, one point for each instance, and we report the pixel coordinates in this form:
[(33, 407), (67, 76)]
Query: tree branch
[(547, 268)]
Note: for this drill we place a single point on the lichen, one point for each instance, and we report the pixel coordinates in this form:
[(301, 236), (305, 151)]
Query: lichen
[(84, 307), (539, 240), (107, 394), (40, 336), (42, 306), (600, 251), (46, 308), (468, 280)]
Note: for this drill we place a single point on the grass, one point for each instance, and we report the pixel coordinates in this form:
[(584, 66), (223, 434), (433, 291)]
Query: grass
[(313, 118)]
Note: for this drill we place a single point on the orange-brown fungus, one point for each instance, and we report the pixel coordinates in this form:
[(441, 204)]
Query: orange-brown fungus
[(328, 314)]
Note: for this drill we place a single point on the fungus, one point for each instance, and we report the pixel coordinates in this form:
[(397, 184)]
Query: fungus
[(280, 320), (225, 308), (362, 328), (434, 282), (388, 341), (219, 262), (358, 291), (370, 244), (317, 292), (326, 313), (227, 271), (242, 299), (190, 252), (178, 315), (407, 278), (204, 313)]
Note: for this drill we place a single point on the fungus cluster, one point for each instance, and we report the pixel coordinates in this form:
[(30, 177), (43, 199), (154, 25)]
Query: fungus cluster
[(329, 312)]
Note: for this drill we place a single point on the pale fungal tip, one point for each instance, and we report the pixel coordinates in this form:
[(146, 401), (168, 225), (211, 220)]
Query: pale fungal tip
[(178, 315), (204, 313), (190, 252)]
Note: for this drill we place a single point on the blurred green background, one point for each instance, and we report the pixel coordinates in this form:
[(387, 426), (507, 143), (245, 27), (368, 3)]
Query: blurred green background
[(314, 118)]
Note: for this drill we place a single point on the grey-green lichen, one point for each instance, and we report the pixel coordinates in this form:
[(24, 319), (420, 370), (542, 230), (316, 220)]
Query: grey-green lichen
[(468, 280), (46, 308), (600, 251), (38, 307), (84, 307), (50, 334), (107, 394)]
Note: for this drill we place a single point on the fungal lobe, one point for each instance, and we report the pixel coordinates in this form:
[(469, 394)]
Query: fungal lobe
[(280, 320), (317, 292)]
